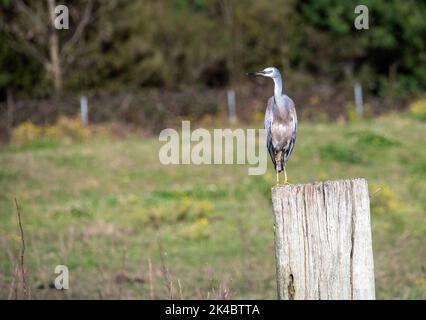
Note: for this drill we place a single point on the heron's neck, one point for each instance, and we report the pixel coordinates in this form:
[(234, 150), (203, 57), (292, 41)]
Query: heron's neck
[(278, 87)]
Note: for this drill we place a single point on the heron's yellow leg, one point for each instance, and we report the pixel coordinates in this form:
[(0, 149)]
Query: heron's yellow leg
[(278, 178), (285, 177)]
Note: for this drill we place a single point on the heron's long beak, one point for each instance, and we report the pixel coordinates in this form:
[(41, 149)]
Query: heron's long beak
[(255, 73)]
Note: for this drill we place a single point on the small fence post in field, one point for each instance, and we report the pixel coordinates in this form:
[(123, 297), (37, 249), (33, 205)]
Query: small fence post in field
[(84, 111), (323, 243), (232, 106), (359, 106)]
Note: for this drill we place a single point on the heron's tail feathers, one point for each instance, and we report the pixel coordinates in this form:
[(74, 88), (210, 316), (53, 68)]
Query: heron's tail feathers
[(279, 166)]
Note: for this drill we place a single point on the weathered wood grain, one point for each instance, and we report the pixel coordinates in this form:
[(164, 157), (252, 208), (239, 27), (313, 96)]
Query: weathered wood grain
[(323, 240)]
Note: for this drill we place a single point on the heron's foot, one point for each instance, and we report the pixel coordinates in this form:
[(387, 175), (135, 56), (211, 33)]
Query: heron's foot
[(282, 183), (285, 179)]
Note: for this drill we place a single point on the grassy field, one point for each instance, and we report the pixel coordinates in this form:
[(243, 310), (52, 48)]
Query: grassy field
[(129, 227)]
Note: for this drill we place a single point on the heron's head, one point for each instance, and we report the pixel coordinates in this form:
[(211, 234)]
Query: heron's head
[(270, 72)]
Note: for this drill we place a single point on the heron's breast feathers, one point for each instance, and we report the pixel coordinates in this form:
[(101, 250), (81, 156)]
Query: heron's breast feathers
[(281, 128)]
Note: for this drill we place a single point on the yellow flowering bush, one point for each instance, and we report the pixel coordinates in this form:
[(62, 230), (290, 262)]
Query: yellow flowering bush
[(384, 200), (418, 108), (64, 130), (258, 116), (71, 129), (351, 112), (26, 133)]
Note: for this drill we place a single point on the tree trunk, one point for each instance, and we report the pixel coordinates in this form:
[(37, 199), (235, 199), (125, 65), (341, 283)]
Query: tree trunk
[(10, 110), (55, 60)]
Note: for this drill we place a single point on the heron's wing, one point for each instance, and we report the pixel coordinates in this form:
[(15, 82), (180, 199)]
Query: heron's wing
[(293, 120), (268, 124), (291, 144)]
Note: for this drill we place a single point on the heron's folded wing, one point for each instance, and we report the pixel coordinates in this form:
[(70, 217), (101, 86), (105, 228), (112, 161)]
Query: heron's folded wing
[(292, 140), (290, 145), (268, 124)]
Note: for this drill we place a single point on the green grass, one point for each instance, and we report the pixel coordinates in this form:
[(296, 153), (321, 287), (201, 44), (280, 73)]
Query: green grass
[(109, 210)]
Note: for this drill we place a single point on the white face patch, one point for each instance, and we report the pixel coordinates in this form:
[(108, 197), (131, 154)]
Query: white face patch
[(270, 72)]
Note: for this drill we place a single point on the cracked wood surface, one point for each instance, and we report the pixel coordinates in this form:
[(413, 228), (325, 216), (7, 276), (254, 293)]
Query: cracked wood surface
[(323, 241)]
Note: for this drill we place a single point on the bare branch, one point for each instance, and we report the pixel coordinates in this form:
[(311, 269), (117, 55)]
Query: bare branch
[(32, 14), (20, 39), (79, 31), (28, 48)]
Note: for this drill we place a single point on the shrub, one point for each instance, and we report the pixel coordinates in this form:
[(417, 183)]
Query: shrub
[(418, 109), (64, 130), (26, 133)]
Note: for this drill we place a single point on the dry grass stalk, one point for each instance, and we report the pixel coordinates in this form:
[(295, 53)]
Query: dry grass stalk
[(26, 290), (165, 272)]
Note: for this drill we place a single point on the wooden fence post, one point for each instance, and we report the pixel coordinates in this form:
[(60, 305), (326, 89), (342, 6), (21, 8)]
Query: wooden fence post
[(323, 241)]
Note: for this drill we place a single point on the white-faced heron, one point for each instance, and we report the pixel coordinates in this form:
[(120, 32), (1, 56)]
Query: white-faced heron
[(280, 123)]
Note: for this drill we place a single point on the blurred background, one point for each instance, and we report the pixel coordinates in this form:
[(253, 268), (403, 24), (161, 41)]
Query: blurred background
[(81, 109)]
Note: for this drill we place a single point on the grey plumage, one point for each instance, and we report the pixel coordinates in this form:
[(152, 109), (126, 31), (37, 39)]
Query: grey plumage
[(280, 122), (281, 130)]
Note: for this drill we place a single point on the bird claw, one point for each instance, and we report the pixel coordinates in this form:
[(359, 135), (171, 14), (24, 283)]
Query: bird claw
[(282, 184)]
